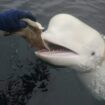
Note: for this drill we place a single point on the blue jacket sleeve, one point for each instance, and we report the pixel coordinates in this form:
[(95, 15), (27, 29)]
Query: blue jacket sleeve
[(10, 20)]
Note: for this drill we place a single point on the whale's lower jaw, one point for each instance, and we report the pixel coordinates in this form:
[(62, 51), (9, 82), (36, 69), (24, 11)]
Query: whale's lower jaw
[(57, 58)]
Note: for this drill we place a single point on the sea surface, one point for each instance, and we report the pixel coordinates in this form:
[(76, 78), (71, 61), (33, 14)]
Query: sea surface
[(24, 79)]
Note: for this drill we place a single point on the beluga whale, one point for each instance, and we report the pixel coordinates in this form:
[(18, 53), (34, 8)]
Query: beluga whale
[(71, 43)]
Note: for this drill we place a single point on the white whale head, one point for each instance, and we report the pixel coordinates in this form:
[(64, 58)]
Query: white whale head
[(71, 43)]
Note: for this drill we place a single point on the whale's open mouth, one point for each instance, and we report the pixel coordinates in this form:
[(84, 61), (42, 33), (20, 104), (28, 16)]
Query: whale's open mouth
[(53, 48)]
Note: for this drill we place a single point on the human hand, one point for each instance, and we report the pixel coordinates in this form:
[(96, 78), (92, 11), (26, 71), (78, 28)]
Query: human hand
[(11, 20)]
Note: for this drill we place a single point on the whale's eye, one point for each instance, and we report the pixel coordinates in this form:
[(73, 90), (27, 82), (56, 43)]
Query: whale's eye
[(93, 53)]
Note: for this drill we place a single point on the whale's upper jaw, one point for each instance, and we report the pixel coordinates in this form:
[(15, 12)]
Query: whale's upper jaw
[(70, 42)]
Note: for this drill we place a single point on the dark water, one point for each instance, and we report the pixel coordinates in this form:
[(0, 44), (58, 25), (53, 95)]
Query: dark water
[(21, 83)]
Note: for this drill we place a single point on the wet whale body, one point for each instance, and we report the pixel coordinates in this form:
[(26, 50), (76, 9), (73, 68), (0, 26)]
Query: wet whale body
[(71, 43)]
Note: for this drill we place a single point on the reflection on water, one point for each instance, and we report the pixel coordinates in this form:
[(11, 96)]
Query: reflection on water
[(64, 88)]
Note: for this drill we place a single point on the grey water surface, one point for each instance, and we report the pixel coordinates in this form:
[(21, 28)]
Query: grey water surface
[(24, 79)]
